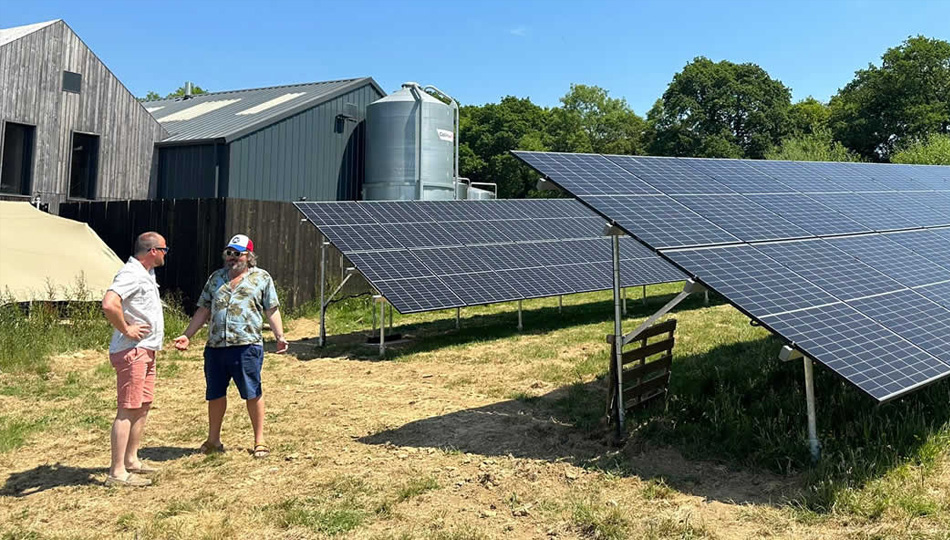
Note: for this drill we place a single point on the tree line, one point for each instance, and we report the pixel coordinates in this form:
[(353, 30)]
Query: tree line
[(898, 111)]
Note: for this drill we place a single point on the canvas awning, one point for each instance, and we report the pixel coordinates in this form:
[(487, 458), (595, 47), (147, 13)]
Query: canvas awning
[(46, 257)]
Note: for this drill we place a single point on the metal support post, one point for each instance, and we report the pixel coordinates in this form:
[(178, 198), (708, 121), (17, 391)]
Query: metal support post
[(618, 336), (323, 284), (382, 325), (813, 443), (390, 318), (624, 290), (706, 297), (560, 303), (644, 299), (458, 318), (520, 326)]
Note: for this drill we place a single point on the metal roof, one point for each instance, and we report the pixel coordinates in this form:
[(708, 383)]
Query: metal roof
[(230, 115), (12, 34)]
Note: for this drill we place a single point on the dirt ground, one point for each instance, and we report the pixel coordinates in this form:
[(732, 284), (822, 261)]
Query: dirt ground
[(403, 449)]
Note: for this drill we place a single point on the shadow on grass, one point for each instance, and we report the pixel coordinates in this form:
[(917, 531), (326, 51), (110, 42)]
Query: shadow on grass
[(165, 453), (734, 430), (37, 479), (427, 336)]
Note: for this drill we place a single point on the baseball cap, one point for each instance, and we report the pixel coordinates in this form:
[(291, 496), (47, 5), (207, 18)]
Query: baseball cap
[(241, 243)]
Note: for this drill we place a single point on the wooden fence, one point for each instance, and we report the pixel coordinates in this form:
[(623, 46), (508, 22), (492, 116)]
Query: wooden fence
[(197, 231)]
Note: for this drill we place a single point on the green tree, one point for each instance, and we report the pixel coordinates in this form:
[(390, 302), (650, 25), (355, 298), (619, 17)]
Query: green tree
[(934, 150), (489, 131), (719, 109), (816, 146), (150, 96), (195, 90), (808, 116), (589, 120), (907, 98)]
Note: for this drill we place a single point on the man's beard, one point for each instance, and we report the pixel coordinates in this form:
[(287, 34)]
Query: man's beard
[(237, 266)]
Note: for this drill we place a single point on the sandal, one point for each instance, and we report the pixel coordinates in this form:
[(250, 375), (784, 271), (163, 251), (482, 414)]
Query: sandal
[(208, 448), (261, 451)]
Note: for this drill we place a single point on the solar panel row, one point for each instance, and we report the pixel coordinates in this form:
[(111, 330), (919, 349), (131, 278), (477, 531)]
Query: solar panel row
[(848, 262), (428, 255)]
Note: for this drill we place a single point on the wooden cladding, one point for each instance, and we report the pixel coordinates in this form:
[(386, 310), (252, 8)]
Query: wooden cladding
[(647, 365)]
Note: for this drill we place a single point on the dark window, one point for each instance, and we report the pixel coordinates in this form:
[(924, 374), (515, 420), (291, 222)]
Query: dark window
[(72, 82), (84, 167), (16, 169)]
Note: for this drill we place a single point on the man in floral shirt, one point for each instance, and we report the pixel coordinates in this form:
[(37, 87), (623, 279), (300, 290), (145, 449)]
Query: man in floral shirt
[(236, 299)]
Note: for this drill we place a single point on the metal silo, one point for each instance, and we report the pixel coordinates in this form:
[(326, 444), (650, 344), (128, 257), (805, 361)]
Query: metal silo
[(411, 147)]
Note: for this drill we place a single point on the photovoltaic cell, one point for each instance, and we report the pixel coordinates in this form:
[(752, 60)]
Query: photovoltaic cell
[(670, 175), (891, 259), (588, 174), (912, 316), (418, 294), (481, 288), (741, 217), (661, 221), (350, 238), (864, 352), (753, 281), (865, 292)]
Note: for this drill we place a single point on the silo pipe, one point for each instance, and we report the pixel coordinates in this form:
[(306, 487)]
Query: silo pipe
[(455, 109)]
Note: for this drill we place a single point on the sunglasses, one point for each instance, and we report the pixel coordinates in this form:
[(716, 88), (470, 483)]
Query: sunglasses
[(162, 249), (234, 253)]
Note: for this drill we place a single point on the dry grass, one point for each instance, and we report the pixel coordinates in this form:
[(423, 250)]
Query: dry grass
[(481, 433)]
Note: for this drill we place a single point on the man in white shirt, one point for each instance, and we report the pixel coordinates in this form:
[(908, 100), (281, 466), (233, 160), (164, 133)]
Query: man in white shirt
[(133, 307)]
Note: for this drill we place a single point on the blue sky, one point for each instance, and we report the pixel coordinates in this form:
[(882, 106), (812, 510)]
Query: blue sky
[(481, 51)]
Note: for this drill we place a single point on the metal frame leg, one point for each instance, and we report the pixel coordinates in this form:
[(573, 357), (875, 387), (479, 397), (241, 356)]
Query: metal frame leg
[(560, 303), (323, 284), (390, 318), (520, 325), (618, 337), (624, 291), (644, 295), (706, 296), (382, 327), (813, 443), (458, 318)]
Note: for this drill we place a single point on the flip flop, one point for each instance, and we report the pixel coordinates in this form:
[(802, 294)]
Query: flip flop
[(208, 448), (130, 480), (261, 451)]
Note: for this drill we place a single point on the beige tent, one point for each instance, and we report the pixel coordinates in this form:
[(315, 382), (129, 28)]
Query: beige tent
[(46, 257)]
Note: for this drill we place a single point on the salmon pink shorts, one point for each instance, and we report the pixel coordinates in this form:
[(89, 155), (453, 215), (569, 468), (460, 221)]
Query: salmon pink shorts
[(134, 376)]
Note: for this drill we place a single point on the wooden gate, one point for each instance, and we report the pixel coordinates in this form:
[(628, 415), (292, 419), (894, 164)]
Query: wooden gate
[(646, 368)]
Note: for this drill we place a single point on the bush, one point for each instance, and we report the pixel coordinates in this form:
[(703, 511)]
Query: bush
[(934, 150)]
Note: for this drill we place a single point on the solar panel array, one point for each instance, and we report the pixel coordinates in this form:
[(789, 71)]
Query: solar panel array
[(850, 262), (429, 255)]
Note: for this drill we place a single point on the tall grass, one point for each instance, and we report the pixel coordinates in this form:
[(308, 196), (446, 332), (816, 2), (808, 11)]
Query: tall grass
[(30, 333)]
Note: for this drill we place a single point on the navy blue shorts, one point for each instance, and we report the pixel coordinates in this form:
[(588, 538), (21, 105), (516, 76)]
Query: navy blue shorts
[(242, 363)]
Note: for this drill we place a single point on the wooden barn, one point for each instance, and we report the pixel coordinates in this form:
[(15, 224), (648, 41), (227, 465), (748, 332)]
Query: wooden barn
[(69, 129)]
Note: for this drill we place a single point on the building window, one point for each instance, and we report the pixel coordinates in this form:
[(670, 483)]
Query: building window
[(72, 82), (16, 167), (84, 167)]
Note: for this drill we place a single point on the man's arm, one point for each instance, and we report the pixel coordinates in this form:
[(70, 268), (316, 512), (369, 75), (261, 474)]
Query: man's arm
[(197, 321), (112, 308), (277, 325)]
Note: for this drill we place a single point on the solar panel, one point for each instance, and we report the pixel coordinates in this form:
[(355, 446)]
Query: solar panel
[(865, 290), (426, 255)]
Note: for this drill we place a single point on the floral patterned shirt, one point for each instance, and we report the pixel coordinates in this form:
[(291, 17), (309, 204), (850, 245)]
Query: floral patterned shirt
[(237, 316)]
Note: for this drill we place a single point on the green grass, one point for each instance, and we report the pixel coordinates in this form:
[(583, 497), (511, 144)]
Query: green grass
[(591, 520), (14, 432), (416, 487)]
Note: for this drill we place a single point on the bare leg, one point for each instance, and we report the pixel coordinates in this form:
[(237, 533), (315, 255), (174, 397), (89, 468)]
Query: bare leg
[(135, 436), (121, 428), (255, 409), (216, 410)]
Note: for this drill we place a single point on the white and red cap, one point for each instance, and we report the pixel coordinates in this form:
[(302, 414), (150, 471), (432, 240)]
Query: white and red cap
[(241, 243)]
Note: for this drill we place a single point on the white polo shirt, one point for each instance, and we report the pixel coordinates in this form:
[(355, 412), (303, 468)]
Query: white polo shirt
[(140, 304)]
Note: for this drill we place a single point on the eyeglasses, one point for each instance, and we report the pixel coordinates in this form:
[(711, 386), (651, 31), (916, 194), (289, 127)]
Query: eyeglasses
[(162, 249), (234, 253)]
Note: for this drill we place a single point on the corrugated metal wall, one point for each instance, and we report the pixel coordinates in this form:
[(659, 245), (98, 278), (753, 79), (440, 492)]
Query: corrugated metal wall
[(192, 172), (31, 78), (311, 154)]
